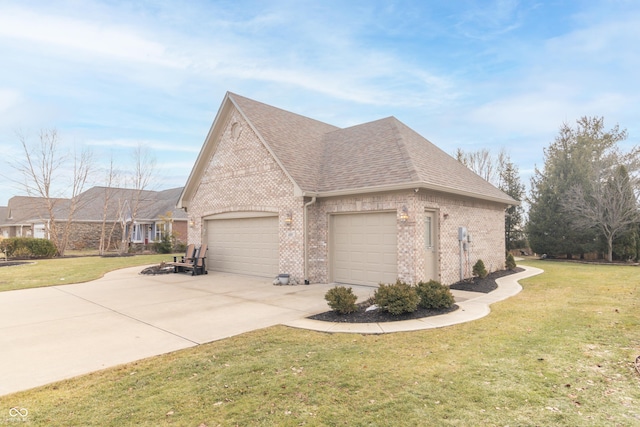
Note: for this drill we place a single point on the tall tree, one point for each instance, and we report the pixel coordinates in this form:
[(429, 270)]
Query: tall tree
[(569, 164), (514, 216), (608, 204), (56, 176), (111, 184)]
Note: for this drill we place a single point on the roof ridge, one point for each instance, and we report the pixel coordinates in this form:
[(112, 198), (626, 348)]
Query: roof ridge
[(402, 147), (235, 95)]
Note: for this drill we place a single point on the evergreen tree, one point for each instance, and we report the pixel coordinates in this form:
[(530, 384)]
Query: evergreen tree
[(569, 164), (510, 183)]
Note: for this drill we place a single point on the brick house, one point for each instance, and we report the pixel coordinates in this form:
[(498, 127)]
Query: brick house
[(28, 216), (275, 192)]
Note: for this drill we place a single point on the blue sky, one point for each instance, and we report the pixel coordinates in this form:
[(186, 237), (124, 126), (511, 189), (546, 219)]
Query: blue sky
[(469, 74)]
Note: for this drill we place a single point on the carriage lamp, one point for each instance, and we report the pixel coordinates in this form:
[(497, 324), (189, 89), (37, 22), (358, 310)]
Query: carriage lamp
[(404, 214), (289, 218)]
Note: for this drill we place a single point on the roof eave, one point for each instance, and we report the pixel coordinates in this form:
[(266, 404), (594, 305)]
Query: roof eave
[(412, 186)]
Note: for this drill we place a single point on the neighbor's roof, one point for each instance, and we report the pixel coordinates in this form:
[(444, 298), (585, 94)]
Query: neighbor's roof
[(325, 160), (152, 204), (90, 204), (25, 210)]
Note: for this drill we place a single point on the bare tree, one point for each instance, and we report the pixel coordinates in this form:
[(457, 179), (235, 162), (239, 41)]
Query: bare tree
[(143, 172), (111, 181), (44, 173), (609, 205), (484, 163)]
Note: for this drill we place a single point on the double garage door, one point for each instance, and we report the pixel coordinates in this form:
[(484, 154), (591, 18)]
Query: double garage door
[(243, 246), (363, 247)]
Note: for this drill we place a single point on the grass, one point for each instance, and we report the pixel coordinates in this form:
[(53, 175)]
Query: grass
[(559, 353), (61, 271)]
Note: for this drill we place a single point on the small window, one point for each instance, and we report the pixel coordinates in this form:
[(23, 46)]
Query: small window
[(428, 233)]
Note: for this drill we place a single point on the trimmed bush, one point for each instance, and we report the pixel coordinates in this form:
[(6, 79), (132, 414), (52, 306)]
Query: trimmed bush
[(341, 300), (434, 295), (511, 262), (479, 269), (28, 247), (397, 298)]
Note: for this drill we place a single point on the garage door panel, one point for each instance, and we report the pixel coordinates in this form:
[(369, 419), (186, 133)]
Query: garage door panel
[(244, 246), (364, 248)]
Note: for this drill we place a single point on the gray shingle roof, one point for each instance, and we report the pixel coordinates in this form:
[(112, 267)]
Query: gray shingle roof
[(296, 140), (322, 158), (153, 205), (25, 210)]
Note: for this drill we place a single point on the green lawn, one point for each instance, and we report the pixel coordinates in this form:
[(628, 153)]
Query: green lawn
[(60, 271), (560, 353)]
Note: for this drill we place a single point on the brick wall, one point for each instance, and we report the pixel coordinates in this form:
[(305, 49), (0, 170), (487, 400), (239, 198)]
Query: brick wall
[(484, 220), (243, 176), (179, 228)]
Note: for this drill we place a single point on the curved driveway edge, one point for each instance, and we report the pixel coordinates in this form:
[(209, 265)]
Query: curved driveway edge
[(58, 332), (470, 309)]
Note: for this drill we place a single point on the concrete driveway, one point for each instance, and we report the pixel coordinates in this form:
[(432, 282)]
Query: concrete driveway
[(49, 334)]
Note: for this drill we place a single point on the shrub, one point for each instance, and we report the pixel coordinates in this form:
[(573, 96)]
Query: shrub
[(511, 262), (434, 295), (28, 247), (180, 247), (397, 298), (164, 245), (479, 269), (341, 300)]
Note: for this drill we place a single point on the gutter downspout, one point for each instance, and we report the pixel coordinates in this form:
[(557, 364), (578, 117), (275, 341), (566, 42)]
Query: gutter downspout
[(306, 240)]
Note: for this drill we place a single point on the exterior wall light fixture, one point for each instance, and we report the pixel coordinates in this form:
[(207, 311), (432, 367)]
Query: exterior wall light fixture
[(289, 218), (404, 214)]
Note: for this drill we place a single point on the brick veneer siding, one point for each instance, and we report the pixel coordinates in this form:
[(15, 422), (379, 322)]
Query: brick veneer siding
[(179, 229), (484, 221), (243, 176)]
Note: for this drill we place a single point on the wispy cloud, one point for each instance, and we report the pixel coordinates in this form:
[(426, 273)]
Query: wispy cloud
[(134, 143), (96, 38)]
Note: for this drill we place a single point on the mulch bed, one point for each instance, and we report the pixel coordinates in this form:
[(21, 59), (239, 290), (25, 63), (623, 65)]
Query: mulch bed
[(377, 316), (12, 263), (476, 284), (486, 285), (158, 269)]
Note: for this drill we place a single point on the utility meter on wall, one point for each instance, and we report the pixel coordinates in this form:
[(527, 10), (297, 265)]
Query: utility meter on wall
[(462, 233)]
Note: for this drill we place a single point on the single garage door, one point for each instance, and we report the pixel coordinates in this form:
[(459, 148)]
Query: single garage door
[(364, 248), (243, 246)]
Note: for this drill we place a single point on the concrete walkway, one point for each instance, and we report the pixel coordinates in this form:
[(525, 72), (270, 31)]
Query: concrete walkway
[(54, 333)]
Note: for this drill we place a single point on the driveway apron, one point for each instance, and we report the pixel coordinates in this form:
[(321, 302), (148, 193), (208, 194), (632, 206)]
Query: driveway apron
[(53, 333)]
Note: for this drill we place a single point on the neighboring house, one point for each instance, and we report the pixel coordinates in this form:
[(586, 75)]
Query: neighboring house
[(24, 216), (274, 192), (145, 214), (156, 212)]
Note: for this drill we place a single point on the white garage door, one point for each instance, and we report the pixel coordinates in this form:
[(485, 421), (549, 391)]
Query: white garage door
[(243, 246), (364, 248)]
